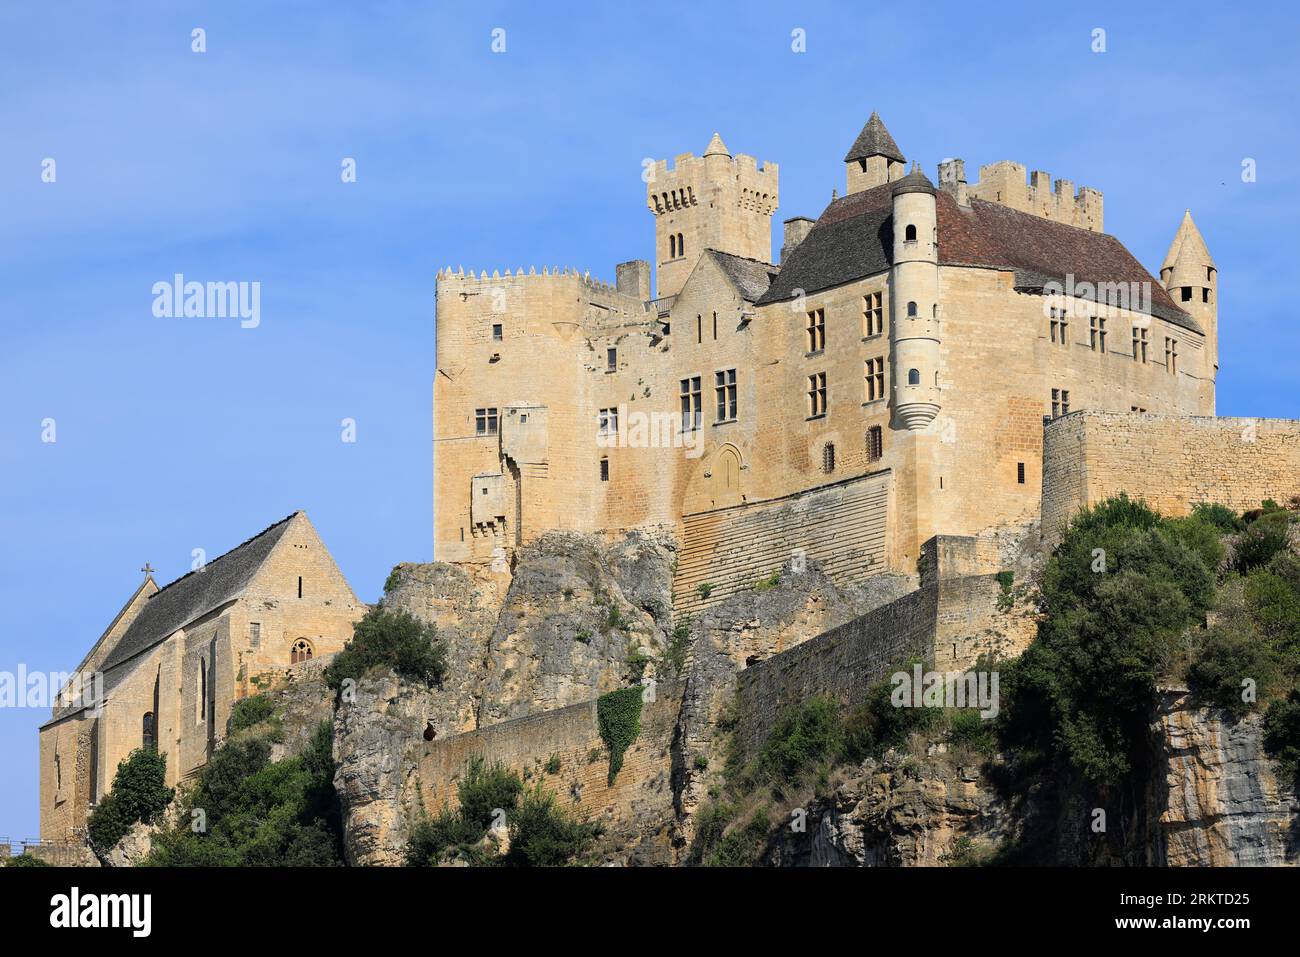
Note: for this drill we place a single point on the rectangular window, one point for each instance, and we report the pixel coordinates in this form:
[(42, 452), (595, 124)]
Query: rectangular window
[(715, 327), (496, 332), (817, 395), (1060, 402), (817, 330), (1139, 345), (873, 314), (875, 443), (608, 421), (1054, 324), (699, 329), (611, 360), (254, 634), (485, 421), (1063, 317), (1187, 293), (692, 408), (724, 387), (604, 470), (1097, 333), (875, 379), (1171, 355), (1020, 473)]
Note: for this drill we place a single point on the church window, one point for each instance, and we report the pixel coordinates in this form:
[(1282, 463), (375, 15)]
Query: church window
[(699, 329), (485, 421), (875, 443), (496, 332), (913, 376), (875, 378), (911, 310), (715, 327), (817, 395), (909, 234), (202, 703), (608, 421), (817, 330), (148, 738), (724, 387), (301, 650), (692, 408), (828, 457), (604, 470)]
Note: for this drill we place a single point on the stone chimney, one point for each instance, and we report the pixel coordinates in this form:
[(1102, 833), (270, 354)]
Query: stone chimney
[(952, 180), (796, 230), (633, 279)]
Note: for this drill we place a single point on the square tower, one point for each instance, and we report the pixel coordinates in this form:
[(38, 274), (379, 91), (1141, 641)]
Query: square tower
[(716, 201)]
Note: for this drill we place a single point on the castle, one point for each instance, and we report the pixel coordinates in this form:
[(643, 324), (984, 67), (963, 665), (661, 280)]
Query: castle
[(171, 664), (885, 382)]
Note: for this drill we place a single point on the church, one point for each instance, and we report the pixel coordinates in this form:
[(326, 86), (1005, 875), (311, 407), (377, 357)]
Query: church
[(885, 379), (173, 662)]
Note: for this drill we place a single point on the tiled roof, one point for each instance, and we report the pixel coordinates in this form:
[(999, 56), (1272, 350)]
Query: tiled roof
[(853, 238), (750, 276), (194, 595), (874, 140)]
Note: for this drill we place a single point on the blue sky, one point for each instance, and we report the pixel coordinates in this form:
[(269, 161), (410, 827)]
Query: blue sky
[(177, 434)]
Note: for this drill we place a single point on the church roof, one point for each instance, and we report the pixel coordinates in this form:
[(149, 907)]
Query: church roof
[(194, 595), (854, 238), (874, 140), (750, 276)]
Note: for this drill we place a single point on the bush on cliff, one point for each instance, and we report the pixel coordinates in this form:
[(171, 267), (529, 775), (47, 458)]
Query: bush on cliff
[(618, 718), (139, 793), (247, 811), (390, 639)]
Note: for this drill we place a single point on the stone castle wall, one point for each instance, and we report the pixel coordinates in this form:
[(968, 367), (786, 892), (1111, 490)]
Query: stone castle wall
[(1172, 462)]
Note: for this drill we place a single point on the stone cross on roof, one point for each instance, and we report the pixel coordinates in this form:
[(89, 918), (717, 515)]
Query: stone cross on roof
[(148, 570)]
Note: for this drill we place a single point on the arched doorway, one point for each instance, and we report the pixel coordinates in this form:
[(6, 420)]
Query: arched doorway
[(726, 477)]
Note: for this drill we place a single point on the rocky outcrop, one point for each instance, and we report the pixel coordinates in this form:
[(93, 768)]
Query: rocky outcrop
[(1224, 802)]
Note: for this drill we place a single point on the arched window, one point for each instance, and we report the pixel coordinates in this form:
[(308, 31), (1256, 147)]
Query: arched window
[(911, 310), (148, 737), (828, 457), (301, 651), (672, 247), (203, 689), (909, 234), (681, 245), (913, 377)]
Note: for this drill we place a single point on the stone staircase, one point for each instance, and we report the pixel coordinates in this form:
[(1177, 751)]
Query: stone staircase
[(841, 526)]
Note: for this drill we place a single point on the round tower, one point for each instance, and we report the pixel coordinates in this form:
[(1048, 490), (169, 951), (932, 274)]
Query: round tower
[(1192, 281), (914, 303)]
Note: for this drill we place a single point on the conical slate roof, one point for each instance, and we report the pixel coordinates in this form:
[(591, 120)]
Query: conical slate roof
[(913, 182), (1188, 247), (874, 140)]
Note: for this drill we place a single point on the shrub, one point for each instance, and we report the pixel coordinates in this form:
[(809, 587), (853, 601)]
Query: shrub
[(249, 711), (802, 738), (139, 793), (1220, 516), (618, 717), (678, 646), (704, 589), (545, 835), (741, 846), (484, 789), (26, 860), (768, 583), (1228, 654), (1282, 733), (553, 765), (1265, 537), (392, 639)]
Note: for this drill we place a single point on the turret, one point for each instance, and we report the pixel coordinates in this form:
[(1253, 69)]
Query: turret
[(715, 201), (874, 158), (914, 303), (1192, 280)]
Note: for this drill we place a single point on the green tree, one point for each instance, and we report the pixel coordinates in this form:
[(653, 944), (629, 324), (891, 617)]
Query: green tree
[(390, 639), (139, 793)]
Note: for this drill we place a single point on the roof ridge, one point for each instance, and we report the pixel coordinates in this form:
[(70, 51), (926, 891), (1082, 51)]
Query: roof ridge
[(748, 259), (225, 554)]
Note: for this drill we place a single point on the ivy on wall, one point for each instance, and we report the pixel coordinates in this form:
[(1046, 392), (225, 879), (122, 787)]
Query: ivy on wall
[(618, 716)]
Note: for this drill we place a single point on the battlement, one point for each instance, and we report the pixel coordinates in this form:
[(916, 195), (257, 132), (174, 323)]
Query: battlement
[(1005, 182), (683, 185)]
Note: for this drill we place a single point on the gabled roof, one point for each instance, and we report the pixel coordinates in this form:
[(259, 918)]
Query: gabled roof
[(751, 277), (196, 594), (874, 140), (853, 239)]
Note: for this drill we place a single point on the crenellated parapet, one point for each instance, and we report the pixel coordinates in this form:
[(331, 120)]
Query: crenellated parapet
[(1005, 182)]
